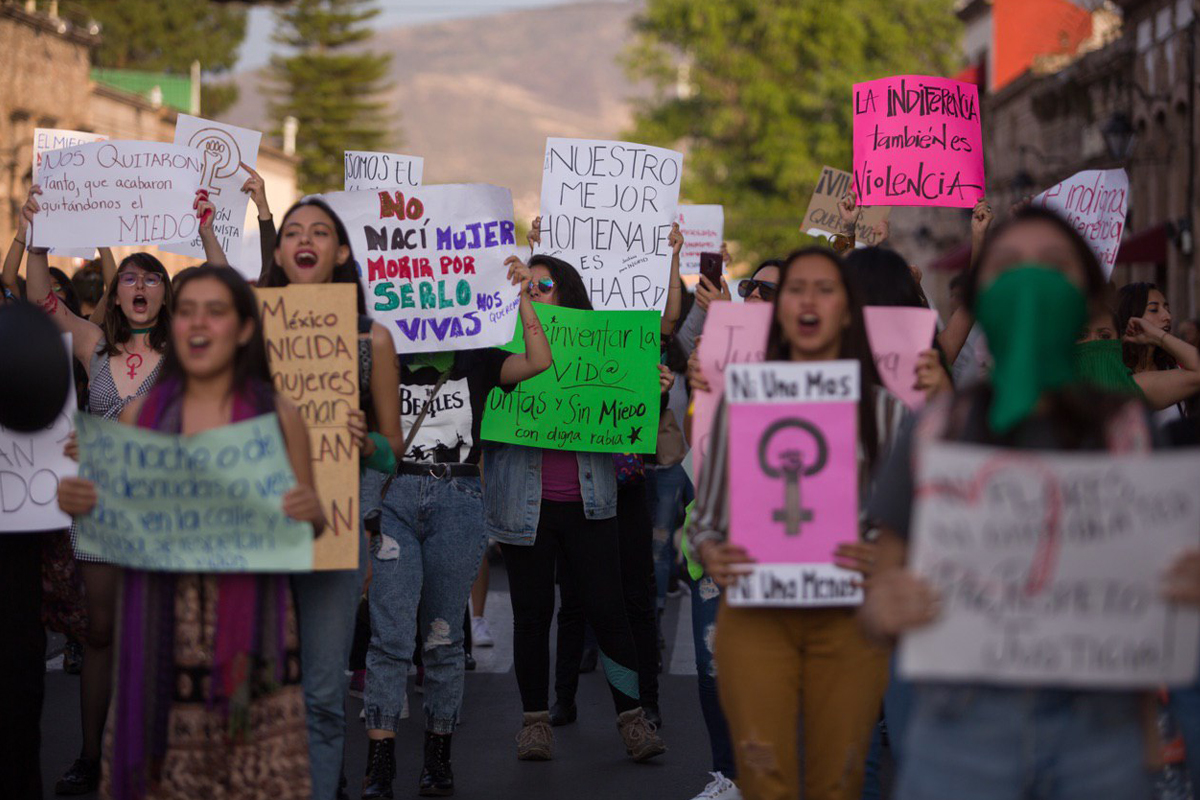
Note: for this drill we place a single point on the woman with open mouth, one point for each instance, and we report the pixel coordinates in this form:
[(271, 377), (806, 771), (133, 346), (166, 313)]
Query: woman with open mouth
[(122, 355)]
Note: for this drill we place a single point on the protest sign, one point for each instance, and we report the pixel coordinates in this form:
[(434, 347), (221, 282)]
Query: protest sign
[(225, 148), (312, 345), (205, 503), (1049, 567), (431, 262), (734, 333), (793, 472), (898, 334), (107, 194), (1095, 202), (32, 464), (366, 171), (823, 219), (917, 142), (46, 139), (703, 229), (607, 209), (600, 395)]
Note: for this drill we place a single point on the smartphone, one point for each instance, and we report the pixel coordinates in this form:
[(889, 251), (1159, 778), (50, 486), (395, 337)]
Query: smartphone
[(711, 267)]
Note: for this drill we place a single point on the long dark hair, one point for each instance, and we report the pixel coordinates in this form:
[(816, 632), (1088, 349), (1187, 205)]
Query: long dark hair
[(571, 291), (883, 278), (770, 262), (854, 344), (117, 329), (69, 297), (1132, 299), (251, 370), (342, 273)]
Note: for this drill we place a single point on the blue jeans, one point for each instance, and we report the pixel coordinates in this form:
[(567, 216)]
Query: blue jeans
[(425, 559), (897, 711), (706, 599), (669, 491), (989, 743), (1185, 706), (326, 605)]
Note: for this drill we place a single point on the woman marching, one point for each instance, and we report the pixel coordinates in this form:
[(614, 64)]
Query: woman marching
[(776, 665), (179, 690)]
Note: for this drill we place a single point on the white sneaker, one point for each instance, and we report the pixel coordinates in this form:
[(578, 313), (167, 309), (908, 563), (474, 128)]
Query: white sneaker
[(481, 633), (720, 788)]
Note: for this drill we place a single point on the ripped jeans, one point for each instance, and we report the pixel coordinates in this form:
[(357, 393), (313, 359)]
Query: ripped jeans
[(426, 558)]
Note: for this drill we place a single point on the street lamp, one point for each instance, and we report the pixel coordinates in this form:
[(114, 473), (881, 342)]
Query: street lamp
[(1118, 135)]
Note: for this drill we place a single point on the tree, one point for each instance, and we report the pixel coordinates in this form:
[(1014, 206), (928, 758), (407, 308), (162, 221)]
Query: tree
[(167, 36), (330, 85), (758, 93)]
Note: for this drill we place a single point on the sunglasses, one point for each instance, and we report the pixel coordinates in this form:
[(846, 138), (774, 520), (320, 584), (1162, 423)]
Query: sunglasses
[(150, 279), (766, 289), (543, 286)]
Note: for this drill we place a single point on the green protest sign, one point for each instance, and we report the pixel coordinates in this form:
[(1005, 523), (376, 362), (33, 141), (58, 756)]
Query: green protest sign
[(600, 395), (204, 503)]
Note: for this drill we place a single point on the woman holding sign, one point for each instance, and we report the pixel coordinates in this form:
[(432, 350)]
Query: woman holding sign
[(313, 248), (1036, 284), (190, 720), (777, 664)]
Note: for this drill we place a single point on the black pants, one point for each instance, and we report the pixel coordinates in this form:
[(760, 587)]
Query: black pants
[(592, 558), (636, 534), (22, 665)]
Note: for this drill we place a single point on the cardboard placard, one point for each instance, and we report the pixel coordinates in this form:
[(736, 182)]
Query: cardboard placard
[(793, 473), (703, 229), (823, 219), (601, 394), (1049, 567), (607, 209), (367, 171), (212, 502), (312, 344), (918, 141), (46, 139), (898, 335), (431, 261), (107, 194), (1095, 202)]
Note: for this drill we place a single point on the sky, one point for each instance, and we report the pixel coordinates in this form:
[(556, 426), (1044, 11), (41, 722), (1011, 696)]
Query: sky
[(257, 49)]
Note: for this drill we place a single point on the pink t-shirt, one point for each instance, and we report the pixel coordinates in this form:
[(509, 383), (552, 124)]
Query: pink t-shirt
[(560, 477)]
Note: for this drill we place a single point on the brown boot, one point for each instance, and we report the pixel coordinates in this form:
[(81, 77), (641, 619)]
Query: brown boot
[(642, 741), (535, 740)]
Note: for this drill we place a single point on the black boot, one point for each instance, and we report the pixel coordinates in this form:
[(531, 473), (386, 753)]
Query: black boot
[(381, 769), (563, 712), (83, 777), (437, 779)]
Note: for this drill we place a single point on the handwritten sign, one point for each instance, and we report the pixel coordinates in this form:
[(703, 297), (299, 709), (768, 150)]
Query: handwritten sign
[(1095, 202), (898, 334), (312, 345), (205, 503), (823, 219), (734, 333), (31, 465), (703, 229), (607, 209), (46, 139), (367, 171), (793, 467), (917, 142), (225, 148), (431, 262), (107, 194), (600, 395), (1049, 567)]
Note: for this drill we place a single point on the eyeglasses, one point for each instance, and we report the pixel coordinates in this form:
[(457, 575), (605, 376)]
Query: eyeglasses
[(543, 286), (150, 279), (766, 289)]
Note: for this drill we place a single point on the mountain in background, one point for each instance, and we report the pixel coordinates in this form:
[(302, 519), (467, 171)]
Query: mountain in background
[(477, 97)]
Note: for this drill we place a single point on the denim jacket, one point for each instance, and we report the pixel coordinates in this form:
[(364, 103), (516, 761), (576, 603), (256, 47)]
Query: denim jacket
[(512, 490)]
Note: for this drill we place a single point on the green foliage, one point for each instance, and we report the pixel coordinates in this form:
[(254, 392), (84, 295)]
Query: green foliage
[(167, 35), (767, 97), (330, 85)]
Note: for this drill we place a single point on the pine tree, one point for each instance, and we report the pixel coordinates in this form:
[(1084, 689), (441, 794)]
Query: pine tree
[(330, 85), (758, 92)]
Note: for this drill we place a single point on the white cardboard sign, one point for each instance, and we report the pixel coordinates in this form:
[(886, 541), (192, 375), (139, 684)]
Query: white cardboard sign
[(366, 171), (703, 229), (1095, 202), (45, 139)]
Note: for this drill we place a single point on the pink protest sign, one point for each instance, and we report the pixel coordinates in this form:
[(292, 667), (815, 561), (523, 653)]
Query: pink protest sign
[(734, 333), (899, 334), (793, 467), (917, 142)]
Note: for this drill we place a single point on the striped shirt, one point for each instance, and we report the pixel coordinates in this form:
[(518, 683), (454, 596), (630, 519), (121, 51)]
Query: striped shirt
[(710, 517)]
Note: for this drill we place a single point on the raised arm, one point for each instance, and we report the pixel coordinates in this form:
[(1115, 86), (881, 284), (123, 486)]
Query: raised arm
[(1165, 388), (206, 212), (12, 260), (108, 271), (536, 358), (675, 289), (256, 187)]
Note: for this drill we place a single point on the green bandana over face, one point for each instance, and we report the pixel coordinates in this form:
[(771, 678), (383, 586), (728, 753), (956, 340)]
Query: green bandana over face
[(1031, 316), (1099, 363)]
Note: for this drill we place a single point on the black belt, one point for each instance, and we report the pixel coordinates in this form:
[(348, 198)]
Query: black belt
[(435, 470)]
